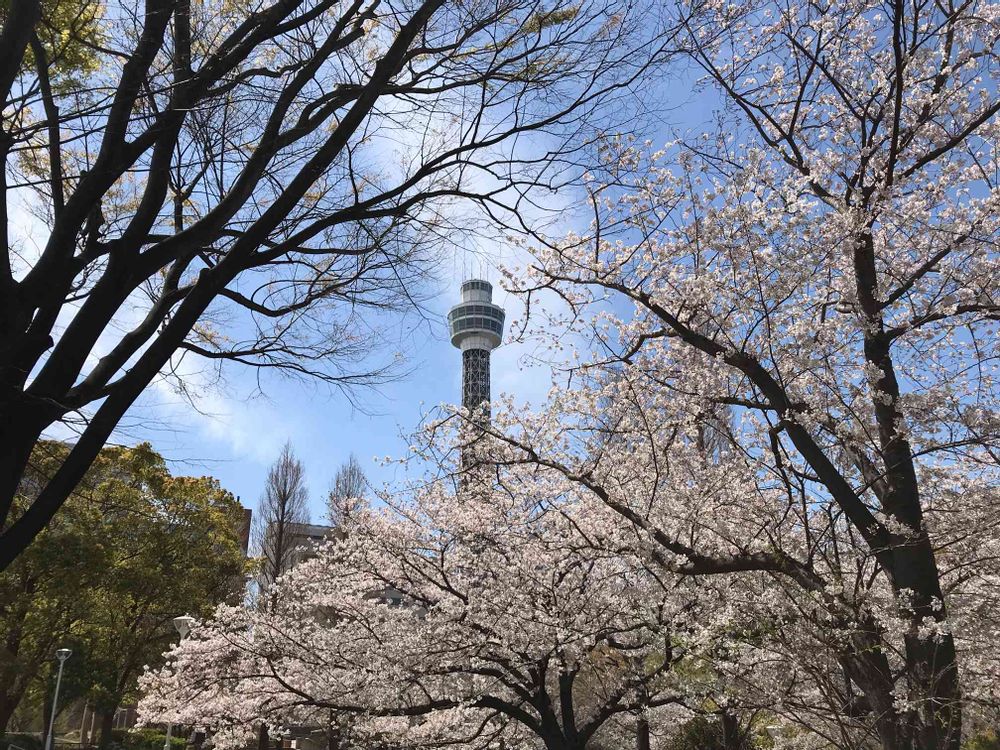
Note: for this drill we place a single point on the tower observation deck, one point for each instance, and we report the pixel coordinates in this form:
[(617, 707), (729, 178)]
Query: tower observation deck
[(476, 326)]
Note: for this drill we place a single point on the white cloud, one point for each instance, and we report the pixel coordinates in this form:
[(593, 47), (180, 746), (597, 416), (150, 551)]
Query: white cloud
[(253, 428)]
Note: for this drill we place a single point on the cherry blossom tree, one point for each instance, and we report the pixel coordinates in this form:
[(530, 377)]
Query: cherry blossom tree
[(469, 621), (816, 285)]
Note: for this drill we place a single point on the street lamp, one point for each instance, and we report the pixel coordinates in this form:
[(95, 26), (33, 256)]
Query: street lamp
[(62, 655), (182, 625)]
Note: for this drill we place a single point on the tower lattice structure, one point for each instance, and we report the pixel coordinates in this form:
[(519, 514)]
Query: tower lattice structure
[(476, 326)]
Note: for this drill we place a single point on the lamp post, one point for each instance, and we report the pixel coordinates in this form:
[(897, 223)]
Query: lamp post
[(182, 625), (62, 655)]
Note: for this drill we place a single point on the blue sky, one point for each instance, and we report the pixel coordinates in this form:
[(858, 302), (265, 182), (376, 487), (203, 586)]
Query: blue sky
[(240, 424), (240, 432)]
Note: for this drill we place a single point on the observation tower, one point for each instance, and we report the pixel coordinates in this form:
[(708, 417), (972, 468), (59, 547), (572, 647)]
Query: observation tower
[(476, 326)]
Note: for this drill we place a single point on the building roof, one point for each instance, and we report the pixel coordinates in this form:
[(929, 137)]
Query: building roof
[(316, 531)]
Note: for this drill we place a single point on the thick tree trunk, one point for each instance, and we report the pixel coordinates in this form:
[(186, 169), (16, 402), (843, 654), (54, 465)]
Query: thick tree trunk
[(7, 708), (22, 15), (107, 725), (556, 738), (18, 439), (642, 734), (733, 737), (333, 738), (561, 743), (931, 668), (931, 662), (19, 432)]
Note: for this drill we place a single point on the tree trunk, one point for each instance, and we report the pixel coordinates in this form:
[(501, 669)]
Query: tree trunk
[(21, 20), (107, 725), (642, 734), (732, 735), (908, 557), (558, 741), (931, 663), (7, 708)]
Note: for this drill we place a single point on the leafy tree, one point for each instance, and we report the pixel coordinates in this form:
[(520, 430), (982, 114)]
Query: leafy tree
[(136, 548), (985, 740), (283, 505), (51, 587), (176, 551)]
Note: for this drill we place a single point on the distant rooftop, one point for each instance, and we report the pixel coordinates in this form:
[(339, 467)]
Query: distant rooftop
[(315, 531)]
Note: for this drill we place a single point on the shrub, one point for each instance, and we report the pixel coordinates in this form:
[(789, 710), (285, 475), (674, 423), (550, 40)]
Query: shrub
[(150, 739), (986, 740), (705, 733), (25, 741)]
